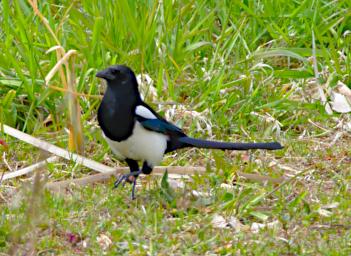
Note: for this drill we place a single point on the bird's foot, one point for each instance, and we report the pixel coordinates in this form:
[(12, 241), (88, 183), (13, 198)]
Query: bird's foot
[(129, 177)]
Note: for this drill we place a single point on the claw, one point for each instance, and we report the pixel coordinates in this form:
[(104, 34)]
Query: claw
[(117, 182), (127, 178)]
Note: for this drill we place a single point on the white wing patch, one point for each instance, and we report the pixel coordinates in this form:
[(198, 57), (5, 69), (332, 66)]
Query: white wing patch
[(144, 112)]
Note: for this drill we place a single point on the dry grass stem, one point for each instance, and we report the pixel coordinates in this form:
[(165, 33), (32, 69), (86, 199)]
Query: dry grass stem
[(29, 169)]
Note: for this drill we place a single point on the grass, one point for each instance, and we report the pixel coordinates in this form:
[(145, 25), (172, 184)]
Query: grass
[(238, 64)]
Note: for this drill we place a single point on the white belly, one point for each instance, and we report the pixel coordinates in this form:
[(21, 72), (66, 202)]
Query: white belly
[(142, 145)]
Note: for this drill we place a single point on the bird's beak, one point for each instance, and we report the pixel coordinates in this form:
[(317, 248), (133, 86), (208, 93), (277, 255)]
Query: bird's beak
[(105, 74), (101, 74)]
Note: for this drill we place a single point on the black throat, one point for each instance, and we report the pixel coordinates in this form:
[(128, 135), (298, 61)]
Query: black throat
[(116, 113)]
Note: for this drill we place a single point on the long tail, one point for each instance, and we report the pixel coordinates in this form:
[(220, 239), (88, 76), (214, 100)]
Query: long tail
[(198, 143)]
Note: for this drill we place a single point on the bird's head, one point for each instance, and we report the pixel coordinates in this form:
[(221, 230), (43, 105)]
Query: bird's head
[(118, 75)]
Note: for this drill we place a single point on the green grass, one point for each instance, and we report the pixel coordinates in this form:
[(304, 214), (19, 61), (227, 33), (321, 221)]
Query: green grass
[(224, 59)]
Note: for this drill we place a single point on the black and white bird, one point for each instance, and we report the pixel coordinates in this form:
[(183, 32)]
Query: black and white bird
[(135, 132)]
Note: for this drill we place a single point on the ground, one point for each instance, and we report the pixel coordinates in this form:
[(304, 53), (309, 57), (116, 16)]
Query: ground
[(306, 213)]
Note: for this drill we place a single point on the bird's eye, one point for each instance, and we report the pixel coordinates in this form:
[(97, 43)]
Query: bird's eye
[(116, 71), (118, 74)]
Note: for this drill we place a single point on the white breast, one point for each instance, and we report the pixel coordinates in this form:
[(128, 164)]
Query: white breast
[(142, 145)]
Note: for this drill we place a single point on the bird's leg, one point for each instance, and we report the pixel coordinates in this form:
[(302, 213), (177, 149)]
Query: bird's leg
[(133, 175), (147, 168), (130, 177), (126, 178)]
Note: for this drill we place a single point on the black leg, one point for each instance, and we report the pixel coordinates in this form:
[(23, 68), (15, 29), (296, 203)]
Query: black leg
[(125, 177), (133, 165), (134, 171), (147, 169)]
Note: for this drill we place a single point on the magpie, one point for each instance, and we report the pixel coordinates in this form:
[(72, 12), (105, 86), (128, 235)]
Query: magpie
[(135, 132)]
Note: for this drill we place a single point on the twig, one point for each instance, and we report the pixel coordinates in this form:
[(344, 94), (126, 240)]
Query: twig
[(57, 66), (287, 168), (260, 178), (285, 182), (318, 126), (34, 5), (75, 93), (96, 166), (61, 185), (5, 162), (68, 81), (174, 172), (29, 169), (57, 150)]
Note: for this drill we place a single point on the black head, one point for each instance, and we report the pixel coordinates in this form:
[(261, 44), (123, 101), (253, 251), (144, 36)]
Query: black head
[(117, 74)]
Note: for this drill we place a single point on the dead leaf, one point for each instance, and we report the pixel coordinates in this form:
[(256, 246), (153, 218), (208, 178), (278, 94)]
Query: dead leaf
[(104, 241), (235, 223), (245, 157), (220, 222), (344, 90), (324, 213), (227, 186), (198, 194), (146, 85), (330, 206), (176, 184), (188, 117), (339, 103), (256, 227)]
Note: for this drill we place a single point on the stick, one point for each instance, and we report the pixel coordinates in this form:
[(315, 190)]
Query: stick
[(261, 178), (96, 166), (29, 169), (178, 172), (60, 185), (57, 150)]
